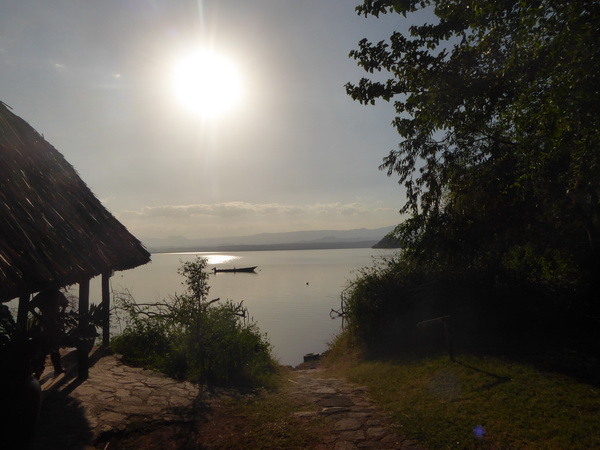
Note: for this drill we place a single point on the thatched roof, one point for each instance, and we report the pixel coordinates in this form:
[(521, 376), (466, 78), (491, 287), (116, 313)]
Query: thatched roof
[(53, 230)]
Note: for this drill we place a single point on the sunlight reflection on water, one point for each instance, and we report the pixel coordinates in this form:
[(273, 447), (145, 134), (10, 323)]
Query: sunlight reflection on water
[(213, 258)]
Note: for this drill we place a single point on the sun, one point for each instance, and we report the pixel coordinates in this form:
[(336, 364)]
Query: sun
[(206, 83)]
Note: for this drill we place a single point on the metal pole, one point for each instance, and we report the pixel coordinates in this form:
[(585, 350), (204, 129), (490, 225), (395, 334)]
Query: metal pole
[(444, 321), (448, 341)]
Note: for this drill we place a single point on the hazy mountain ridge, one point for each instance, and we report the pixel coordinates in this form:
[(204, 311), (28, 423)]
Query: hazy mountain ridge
[(361, 237)]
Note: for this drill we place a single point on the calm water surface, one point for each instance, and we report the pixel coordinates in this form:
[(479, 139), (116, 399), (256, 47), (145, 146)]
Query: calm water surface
[(289, 297)]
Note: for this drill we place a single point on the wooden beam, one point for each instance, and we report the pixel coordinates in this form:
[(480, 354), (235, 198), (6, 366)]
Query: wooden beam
[(105, 309), (83, 348)]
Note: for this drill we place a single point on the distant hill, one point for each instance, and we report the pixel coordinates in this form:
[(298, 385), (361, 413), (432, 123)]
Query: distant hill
[(295, 240), (388, 241)]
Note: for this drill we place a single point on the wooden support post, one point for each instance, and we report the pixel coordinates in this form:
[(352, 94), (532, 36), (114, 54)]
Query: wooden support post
[(105, 309), (23, 311), (83, 348)]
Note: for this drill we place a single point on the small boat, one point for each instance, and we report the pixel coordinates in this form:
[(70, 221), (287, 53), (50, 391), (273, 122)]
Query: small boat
[(236, 269)]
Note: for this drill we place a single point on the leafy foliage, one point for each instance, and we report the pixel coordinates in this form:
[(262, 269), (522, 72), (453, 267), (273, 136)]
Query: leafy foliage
[(25, 348), (497, 107), (16, 346), (191, 337)]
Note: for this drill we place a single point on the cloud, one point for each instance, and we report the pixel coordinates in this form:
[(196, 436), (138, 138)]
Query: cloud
[(386, 210), (227, 209), (239, 209), (345, 209), (353, 209), (239, 218)]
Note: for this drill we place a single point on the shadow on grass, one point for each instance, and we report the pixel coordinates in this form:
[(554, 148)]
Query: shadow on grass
[(498, 379)]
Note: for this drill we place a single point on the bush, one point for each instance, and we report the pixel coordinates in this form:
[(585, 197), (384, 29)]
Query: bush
[(193, 338), (384, 303), (493, 310)]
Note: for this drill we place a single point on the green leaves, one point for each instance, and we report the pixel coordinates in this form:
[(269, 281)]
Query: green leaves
[(497, 109), (196, 277), (193, 338)]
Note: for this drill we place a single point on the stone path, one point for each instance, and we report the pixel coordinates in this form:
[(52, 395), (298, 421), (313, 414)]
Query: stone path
[(76, 414), (85, 414), (356, 421)]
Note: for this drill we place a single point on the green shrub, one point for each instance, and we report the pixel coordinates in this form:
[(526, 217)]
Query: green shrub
[(190, 337), (143, 342), (492, 310), (383, 304)]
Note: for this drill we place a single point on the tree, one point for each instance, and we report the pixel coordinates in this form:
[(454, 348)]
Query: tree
[(498, 107)]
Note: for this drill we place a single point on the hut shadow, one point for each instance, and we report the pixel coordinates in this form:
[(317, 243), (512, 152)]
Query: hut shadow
[(63, 423)]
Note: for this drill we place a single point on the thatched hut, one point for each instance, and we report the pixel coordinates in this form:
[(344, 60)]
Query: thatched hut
[(54, 232)]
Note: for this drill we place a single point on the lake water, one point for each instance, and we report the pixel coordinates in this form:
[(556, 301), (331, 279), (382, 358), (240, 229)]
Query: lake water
[(289, 297)]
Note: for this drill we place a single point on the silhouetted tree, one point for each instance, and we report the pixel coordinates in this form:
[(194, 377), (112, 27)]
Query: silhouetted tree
[(498, 107)]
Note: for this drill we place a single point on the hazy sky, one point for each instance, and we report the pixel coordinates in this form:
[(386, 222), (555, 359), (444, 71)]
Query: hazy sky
[(296, 153)]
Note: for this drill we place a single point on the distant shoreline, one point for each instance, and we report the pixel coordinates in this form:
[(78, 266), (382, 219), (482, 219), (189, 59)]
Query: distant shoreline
[(266, 247)]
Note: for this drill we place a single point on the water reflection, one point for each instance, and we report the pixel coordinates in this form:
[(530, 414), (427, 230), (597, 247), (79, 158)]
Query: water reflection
[(213, 258)]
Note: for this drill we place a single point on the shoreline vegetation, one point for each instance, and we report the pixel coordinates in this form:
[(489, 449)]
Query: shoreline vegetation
[(479, 400)]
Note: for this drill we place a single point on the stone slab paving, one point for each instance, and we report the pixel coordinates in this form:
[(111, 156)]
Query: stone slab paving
[(76, 414), (356, 421)]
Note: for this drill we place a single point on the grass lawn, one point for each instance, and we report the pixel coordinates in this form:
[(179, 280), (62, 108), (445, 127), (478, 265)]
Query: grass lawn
[(484, 403)]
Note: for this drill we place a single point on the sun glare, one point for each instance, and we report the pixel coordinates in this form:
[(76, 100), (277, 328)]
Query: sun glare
[(206, 83)]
